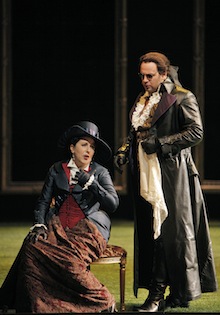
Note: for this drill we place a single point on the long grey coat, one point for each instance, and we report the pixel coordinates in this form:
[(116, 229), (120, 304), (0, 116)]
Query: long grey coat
[(185, 232)]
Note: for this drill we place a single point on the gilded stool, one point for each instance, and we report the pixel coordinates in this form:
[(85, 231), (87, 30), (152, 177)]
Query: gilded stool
[(115, 255)]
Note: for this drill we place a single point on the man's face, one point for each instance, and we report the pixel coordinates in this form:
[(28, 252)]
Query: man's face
[(150, 77)]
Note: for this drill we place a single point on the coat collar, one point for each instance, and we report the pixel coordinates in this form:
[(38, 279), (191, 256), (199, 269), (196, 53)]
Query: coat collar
[(166, 101), (168, 85)]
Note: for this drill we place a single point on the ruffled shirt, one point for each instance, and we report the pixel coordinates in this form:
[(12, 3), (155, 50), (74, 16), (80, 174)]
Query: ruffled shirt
[(150, 172)]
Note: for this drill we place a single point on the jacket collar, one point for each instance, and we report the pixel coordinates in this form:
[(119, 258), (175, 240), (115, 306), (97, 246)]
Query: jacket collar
[(166, 101), (168, 85)]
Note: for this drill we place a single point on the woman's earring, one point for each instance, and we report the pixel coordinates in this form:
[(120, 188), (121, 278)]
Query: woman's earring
[(73, 156)]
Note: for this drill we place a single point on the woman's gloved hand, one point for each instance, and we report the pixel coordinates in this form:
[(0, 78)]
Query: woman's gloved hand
[(37, 232), (82, 177)]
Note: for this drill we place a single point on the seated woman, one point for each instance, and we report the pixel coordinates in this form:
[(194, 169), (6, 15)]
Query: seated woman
[(71, 229)]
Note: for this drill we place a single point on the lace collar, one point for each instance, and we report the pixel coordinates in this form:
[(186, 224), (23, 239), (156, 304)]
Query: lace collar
[(142, 111)]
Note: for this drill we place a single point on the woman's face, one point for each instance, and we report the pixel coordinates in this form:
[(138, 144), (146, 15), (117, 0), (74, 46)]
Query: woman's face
[(83, 152)]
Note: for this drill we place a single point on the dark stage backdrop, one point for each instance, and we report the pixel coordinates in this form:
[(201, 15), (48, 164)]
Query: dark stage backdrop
[(211, 112), (63, 71)]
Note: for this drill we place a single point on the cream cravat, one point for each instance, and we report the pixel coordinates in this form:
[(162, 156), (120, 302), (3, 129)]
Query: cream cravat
[(151, 187)]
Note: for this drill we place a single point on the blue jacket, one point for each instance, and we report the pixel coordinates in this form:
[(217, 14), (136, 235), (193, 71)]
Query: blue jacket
[(99, 200)]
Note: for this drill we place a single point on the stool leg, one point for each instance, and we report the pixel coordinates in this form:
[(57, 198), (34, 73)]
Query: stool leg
[(122, 285)]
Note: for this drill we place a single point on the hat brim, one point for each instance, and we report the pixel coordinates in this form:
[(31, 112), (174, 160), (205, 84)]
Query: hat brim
[(103, 152)]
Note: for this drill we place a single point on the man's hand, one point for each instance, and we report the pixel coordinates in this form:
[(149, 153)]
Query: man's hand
[(151, 145), (120, 159)]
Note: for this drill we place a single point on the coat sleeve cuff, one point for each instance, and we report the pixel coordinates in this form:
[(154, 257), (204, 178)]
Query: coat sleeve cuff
[(38, 225)]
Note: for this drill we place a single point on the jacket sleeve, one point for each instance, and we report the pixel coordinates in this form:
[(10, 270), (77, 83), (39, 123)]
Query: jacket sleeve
[(44, 201), (189, 124), (103, 189)]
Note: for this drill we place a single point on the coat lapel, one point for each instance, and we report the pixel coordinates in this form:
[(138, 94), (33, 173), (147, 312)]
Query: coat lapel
[(63, 179), (167, 100)]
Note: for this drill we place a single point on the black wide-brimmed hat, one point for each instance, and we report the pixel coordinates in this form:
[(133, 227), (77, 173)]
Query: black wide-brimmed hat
[(86, 129)]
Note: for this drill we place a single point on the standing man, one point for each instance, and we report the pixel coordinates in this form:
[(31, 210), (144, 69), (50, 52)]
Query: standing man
[(172, 241)]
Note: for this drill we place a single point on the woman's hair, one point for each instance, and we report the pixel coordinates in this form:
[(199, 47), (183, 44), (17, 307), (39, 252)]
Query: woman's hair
[(74, 140), (66, 151), (161, 61)]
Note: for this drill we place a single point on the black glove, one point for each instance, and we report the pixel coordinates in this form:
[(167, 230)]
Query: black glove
[(34, 235), (169, 150), (119, 160), (82, 177), (151, 145)]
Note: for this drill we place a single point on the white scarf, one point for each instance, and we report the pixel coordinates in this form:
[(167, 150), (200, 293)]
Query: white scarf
[(151, 188)]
